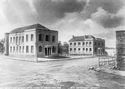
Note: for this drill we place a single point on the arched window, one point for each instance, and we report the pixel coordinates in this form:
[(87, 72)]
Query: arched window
[(40, 49)]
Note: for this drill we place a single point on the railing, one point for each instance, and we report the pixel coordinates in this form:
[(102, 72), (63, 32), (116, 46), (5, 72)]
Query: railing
[(107, 62)]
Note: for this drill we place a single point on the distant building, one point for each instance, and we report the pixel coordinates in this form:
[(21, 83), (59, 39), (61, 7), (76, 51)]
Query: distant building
[(33, 40), (86, 45)]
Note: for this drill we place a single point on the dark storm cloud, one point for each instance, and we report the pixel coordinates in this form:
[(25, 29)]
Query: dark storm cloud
[(49, 10), (111, 6), (111, 22)]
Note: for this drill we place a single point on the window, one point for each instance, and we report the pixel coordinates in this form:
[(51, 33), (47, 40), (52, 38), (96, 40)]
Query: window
[(54, 49), (86, 43), (40, 49), (17, 49), (90, 49), (13, 49), (83, 49), (32, 49), (74, 44), (10, 49), (23, 49), (22, 38), (79, 43), (83, 43), (95, 49), (99, 44), (47, 37), (90, 43), (20, 49), (53, 38), (10, 39), (74, 49), (14, 39), (70, 49), (19, 39), (79, 49), (31, 37), (26, 37), (27, 49), (40, 37), (86, 49), (70, 43)]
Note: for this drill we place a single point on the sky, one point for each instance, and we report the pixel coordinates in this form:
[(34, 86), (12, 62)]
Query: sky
[(100, 18)]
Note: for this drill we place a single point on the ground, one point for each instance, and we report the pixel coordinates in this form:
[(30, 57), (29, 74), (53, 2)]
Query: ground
[(64, 73)]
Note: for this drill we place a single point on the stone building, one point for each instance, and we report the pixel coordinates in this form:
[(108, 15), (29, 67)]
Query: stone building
[(86, 45), (31, 41), (120, 49)]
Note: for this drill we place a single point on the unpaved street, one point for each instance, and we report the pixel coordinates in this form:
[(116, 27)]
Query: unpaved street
[(67, 73)]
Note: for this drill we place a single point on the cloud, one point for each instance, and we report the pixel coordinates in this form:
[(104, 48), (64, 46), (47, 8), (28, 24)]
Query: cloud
[(69, 17), (52, 10), (111, 6), (106, 19)]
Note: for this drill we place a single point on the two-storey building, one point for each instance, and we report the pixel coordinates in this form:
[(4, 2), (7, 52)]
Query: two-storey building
[(33, 40), (86, 45)]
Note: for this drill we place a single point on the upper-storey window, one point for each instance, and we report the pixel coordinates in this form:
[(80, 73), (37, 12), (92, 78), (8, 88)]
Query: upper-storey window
[(10, 39), (79, 43), (32, 36), (40, 48), (74, 44), (14, 40), (27, 37), (27, 49), (90, 43), (83, 43), (47, 38), (19, 39), (87, 43), (53, 38), (40, 37), (22, 38), (70, 43)]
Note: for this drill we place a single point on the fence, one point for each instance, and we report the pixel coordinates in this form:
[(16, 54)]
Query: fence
[(107, 62)]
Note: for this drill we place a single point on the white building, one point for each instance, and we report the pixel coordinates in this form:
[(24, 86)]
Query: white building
[(32, 41), (86, 45)]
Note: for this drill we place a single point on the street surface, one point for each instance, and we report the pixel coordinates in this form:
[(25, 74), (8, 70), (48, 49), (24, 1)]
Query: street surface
[(65, 73)]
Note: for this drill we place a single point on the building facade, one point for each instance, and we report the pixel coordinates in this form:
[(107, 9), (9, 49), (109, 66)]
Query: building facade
[(33, 40), (86, 45), (120, 49)]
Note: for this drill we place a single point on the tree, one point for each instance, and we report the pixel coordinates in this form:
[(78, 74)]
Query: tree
[(2, 46)]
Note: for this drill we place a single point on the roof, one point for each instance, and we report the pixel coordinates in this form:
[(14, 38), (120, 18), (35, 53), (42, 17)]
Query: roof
[(22, 29), (81, 38), (120, 31)]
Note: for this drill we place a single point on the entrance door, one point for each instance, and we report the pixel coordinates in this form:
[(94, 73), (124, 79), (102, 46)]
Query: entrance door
[(47, 51)]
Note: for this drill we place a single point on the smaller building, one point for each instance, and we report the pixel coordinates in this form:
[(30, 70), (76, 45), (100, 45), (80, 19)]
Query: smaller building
[(86, 45)]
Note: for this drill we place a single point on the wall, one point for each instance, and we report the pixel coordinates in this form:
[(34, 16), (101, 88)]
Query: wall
[(19, 45), (44, 43)]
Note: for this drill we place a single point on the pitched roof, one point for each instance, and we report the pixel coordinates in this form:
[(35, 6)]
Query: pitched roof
[(21, 29), (81, 38)]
